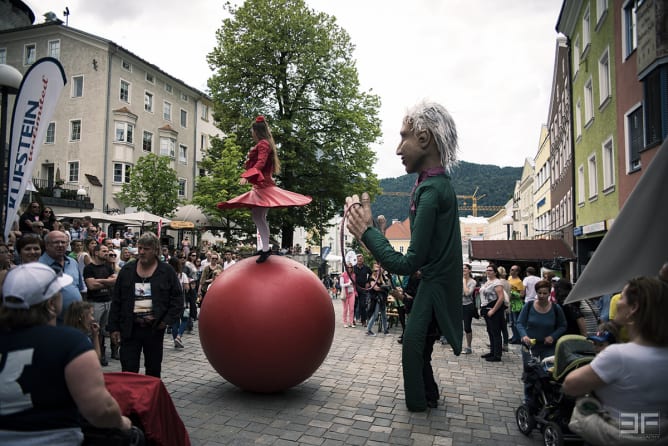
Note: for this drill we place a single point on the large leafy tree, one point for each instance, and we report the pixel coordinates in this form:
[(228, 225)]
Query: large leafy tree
[(222, 166), (294, 65), (153, 186)]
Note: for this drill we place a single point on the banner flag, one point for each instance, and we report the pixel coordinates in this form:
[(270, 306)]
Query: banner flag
[(35, 103)]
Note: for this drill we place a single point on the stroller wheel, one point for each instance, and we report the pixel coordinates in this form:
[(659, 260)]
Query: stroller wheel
[(525, 421), (553, 435)]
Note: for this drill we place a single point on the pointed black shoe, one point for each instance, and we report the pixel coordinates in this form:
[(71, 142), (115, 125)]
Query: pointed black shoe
[(264, 255)]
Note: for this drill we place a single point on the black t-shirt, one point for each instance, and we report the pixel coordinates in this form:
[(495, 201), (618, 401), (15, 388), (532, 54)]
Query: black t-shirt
[(34, 394), (362, 275), (98, 272)]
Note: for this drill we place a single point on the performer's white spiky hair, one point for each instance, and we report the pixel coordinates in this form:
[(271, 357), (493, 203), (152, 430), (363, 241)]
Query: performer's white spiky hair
[(433, 117)]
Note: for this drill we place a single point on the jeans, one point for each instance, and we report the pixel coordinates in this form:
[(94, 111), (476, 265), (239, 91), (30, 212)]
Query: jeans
[(379, 309), (180, 326), (513, 325)]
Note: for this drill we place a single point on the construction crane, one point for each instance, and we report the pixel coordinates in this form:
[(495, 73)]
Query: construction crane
[(474, 207)]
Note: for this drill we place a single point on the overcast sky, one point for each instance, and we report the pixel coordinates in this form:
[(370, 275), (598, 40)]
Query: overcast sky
[(490, 62)]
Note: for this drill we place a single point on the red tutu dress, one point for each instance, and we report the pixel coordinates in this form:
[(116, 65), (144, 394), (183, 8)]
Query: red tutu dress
[(259, 168)]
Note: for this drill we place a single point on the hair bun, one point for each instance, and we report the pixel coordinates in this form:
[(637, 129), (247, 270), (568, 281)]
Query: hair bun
[(259, 119)]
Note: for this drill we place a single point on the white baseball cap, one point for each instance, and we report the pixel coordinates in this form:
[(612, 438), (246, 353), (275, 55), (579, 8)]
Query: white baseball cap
[(30, 284)]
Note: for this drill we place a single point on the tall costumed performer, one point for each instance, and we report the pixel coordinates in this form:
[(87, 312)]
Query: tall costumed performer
[(428, 147)]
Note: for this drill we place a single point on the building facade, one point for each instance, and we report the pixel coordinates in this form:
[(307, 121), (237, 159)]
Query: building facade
[(541, 187), (115, 108)]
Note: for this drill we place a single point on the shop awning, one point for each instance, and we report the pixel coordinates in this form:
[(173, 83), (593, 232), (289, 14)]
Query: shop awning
[(519, 250)]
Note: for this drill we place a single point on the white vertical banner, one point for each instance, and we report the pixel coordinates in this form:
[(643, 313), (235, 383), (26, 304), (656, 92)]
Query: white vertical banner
[(35, 103)]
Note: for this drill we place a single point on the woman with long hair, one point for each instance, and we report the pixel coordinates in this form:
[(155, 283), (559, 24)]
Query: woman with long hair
[(261, 164), (468, 305)]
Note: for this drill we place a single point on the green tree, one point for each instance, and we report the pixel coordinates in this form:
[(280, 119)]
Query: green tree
[(221, 182), (294, 65), (153, 186)]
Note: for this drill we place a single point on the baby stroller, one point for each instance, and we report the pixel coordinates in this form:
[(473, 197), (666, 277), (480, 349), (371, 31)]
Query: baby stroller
[(548, 408)]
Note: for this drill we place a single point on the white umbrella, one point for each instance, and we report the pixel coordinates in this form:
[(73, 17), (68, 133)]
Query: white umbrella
[(143, 217), (97, 217)]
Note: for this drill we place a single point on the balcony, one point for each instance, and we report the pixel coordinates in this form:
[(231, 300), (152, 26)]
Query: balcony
[(53, 193)]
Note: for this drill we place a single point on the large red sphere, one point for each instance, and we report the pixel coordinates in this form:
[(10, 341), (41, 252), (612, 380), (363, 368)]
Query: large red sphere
[(266, 327)]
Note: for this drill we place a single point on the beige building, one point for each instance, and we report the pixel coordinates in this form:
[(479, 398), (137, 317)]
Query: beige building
[(541, 195), (523, 213), (115, 108)]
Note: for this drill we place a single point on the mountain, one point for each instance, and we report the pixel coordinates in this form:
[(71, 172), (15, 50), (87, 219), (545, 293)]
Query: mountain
[(497, 183)]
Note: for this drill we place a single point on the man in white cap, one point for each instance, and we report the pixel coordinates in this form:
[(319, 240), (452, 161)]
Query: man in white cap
[(50, 375)]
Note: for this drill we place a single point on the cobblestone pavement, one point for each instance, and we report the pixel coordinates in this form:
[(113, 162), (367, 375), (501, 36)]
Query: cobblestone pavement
[(354, 398)]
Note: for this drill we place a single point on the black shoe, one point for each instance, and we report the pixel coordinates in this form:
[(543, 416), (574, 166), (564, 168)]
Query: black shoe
[(104, 362), (432, 403), (400, 340), (115, 352), (264, 255), (493, 359), (486, 355)]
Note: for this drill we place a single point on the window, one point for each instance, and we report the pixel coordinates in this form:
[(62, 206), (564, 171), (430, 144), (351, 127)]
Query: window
[(184, 97), (183, 154), (656, 108), (126, 65), (73, 172), (148, 102), (576, 56), (29, 54), (604, 77), (630, 38), (125, 91), (124, 132), (204, 142), (147, 142), (589, 101), (167, 111), (168, 88), (167, 147), (75, 130), (593, 177), (182, 187), (586, 31), (581, 185), (77, 86), (184, 118), (149, 78), (205, 112), (635, 137), (122, 172), (578, 119), (601, 8), (608, 165), (54, 49), (3, 55), (50, 137)]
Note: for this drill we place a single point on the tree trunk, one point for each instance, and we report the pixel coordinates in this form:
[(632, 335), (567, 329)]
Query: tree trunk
[(287, 236)]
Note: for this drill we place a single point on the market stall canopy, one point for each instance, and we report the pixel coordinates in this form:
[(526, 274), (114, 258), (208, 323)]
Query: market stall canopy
[(191, 213), (519, 250), (97, 217), (637, 242)]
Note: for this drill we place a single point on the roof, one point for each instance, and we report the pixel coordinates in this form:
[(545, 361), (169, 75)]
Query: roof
[(399, 230), (519, 250)]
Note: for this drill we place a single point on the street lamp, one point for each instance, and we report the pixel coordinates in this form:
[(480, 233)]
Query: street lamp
[(81, 197), (10, 81), (508, 221)]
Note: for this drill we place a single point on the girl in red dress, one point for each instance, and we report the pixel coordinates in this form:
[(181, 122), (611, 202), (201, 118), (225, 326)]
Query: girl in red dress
[(262, 162)]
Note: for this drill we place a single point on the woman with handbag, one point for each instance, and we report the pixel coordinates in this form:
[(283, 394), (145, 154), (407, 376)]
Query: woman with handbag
[(348, 294), (492, 306), (468, 305), (380, 288), (626, 377)]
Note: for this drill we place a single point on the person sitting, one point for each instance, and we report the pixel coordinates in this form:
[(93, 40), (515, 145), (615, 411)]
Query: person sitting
[(624, 376), (51, 375)]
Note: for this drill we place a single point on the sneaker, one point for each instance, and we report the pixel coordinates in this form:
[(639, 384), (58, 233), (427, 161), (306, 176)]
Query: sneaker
[(468, 351), (370, 333), (178, 343), (346, 326)]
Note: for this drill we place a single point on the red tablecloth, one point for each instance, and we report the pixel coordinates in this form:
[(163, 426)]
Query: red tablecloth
[(146, 399)]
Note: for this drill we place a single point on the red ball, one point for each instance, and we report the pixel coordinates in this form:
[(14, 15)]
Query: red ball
[(266, 327)]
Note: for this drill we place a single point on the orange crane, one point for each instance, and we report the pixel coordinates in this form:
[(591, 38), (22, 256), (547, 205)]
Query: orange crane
[(474, 207)]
